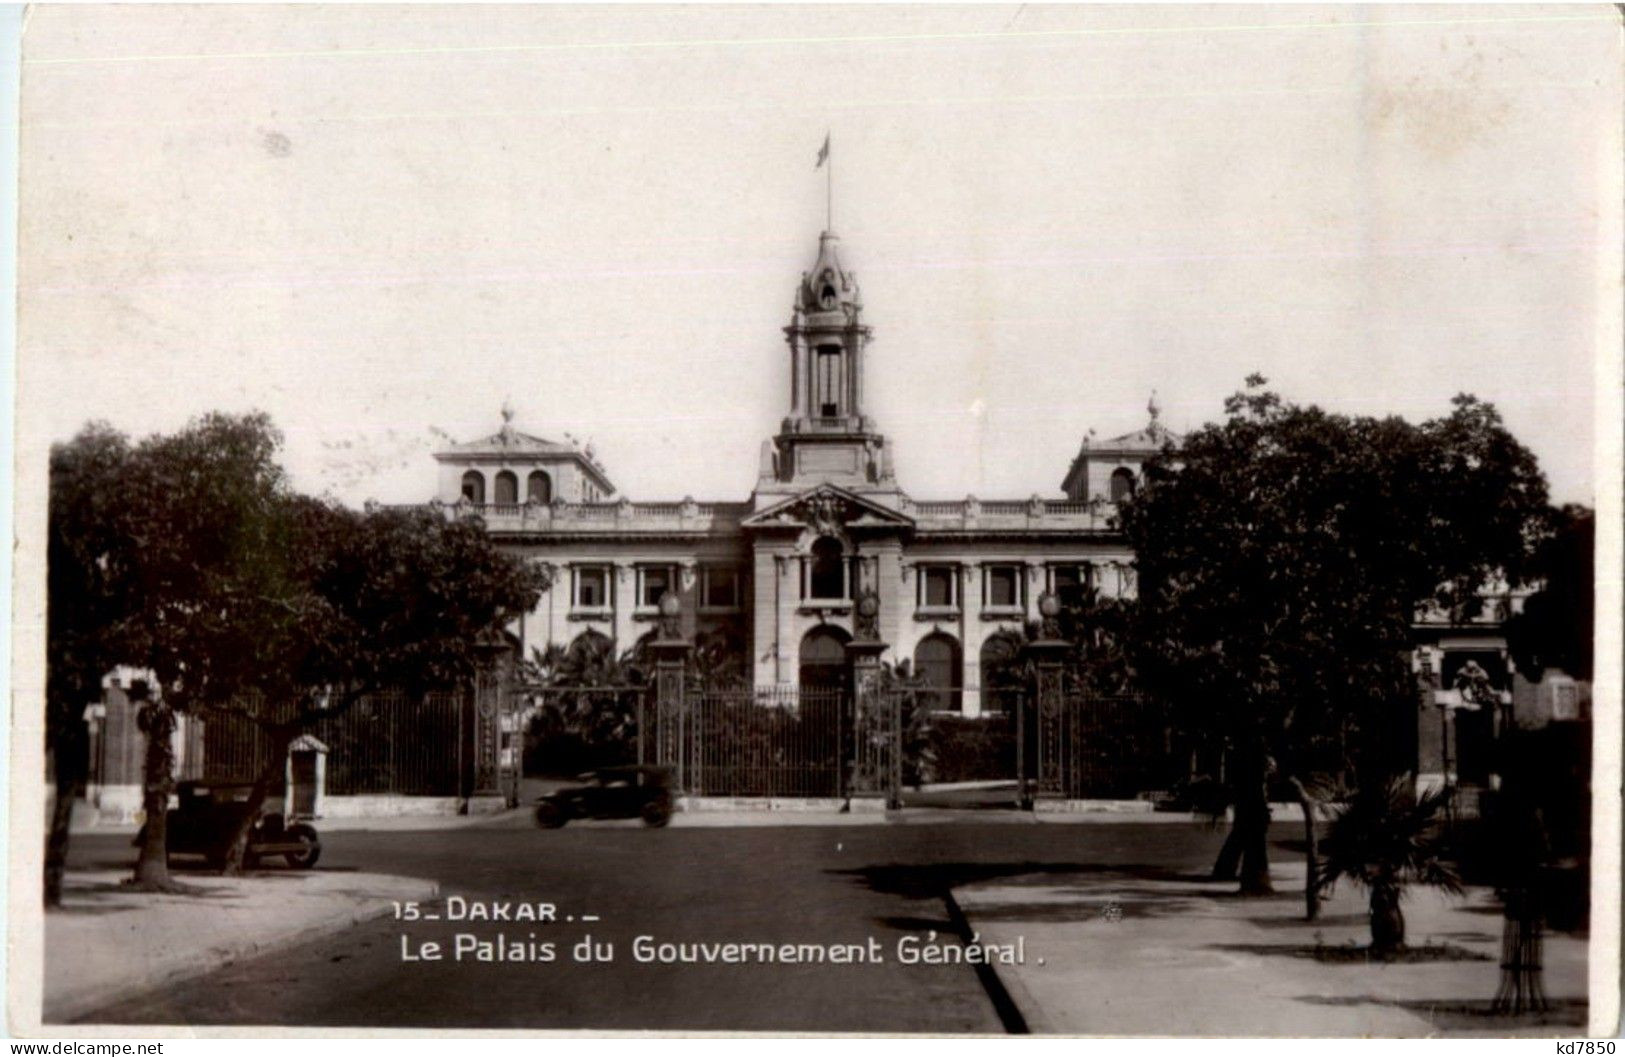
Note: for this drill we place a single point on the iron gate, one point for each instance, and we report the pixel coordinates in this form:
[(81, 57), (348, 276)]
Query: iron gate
[(1105, 747), (782, 741)]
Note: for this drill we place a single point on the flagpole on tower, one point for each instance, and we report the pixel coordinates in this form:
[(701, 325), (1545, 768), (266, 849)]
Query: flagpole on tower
[(828, 166)]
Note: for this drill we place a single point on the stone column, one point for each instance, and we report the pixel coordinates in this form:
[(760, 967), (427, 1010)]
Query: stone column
[(623, 598), (1049, 709), (669, 731), (895, 597), (688, 588)]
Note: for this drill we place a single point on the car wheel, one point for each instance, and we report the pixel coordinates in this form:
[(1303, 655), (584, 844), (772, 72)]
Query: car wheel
[(305, 835), (550, 816), (656, 814)]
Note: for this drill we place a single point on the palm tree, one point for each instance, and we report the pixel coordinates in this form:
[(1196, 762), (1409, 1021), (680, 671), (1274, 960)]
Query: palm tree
[(1384, 840), (587, 696), (919, 761)]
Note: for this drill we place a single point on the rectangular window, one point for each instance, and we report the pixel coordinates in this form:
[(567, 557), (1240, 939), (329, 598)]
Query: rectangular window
[(1004, 586), (1069, 583), (653, 582), (721, 587), (829, 380), (937, 584), (592, 587)]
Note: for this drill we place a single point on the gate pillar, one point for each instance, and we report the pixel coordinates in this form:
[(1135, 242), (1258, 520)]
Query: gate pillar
[(876, 726), (671, 664), (1047, 654)]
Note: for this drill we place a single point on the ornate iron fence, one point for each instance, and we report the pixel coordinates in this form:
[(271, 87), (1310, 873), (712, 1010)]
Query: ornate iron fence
[(1113, 747), (768, 741), (386, 743)]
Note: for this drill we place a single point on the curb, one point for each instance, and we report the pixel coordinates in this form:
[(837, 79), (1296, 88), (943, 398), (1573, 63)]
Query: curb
[(200, 962), (1016, 1009), (781, 804)]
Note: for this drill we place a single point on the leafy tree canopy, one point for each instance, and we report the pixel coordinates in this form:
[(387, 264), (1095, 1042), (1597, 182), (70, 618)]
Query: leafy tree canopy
[(190, 555), (1556, 627), (1098, 660), (1283, 555), (197, 560)]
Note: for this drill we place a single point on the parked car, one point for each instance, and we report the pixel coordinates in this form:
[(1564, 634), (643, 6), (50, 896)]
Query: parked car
[(611, 792), (209, 815)]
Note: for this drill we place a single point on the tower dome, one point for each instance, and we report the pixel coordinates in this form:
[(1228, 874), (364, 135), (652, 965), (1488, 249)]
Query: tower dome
[(828, 287)]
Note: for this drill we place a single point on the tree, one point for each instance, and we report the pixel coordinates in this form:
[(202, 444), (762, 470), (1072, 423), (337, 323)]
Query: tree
[(1098, 630), (89, 509), (589, 691), (151, 560), (211, 573), (375, 600), (1282, 557), (1384, 840), (1556, 626), (588, 702)]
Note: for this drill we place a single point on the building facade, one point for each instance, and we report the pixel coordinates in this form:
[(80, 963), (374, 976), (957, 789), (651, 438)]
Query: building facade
[(826, 522)]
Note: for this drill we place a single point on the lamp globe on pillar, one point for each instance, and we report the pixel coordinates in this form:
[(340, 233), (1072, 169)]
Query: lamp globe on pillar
[(670, 624), (1049, 609)]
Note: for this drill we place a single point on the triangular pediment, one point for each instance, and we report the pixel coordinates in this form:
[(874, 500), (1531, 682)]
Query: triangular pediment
[(827, 508), (509, 442)]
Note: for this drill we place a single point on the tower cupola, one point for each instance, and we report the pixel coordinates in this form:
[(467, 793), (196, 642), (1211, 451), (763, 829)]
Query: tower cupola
[(828, 288), (826, 436)]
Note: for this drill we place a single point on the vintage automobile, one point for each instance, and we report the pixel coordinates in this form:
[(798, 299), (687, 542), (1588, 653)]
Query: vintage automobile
[(611, 792), (209, 814)]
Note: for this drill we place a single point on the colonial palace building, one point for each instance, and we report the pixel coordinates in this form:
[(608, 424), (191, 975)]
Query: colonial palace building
[(827, 521)]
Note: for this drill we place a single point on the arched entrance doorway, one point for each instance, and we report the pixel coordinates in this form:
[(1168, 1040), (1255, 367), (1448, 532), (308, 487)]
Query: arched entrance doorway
[(823, 664)]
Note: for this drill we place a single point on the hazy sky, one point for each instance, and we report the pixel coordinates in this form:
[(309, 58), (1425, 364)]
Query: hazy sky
[(377, 223)]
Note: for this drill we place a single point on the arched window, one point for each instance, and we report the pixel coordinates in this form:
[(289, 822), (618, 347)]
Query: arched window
[(474, 486), (936, 661), (1122, 484), (1002, 676), (826, 573), (826, 292), (507, 487), (823, 664), (539, 488)]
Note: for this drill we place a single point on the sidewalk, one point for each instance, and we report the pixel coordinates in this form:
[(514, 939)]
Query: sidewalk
[(1135, 953), (380, 823), (724, 815), (108, 943)]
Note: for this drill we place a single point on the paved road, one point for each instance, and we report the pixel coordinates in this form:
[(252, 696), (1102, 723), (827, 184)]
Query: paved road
[(778, 884)]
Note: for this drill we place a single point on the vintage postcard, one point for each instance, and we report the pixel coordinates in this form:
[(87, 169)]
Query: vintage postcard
[(851, 520)]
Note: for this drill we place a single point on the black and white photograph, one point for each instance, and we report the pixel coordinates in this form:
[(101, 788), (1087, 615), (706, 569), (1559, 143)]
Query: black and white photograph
[(851, 520)]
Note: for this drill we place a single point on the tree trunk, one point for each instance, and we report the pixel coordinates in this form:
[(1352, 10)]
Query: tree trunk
[(1253, 822), (1311, 853), (157, 721), (1228, 864), (237, 850), (1245, 854), (70, 764), (1387, 921)]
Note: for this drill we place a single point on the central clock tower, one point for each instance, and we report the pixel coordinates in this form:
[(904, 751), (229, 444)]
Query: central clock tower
[(826, 437)]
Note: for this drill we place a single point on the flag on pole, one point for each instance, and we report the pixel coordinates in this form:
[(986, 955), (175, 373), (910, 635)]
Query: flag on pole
[(823, 153)]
